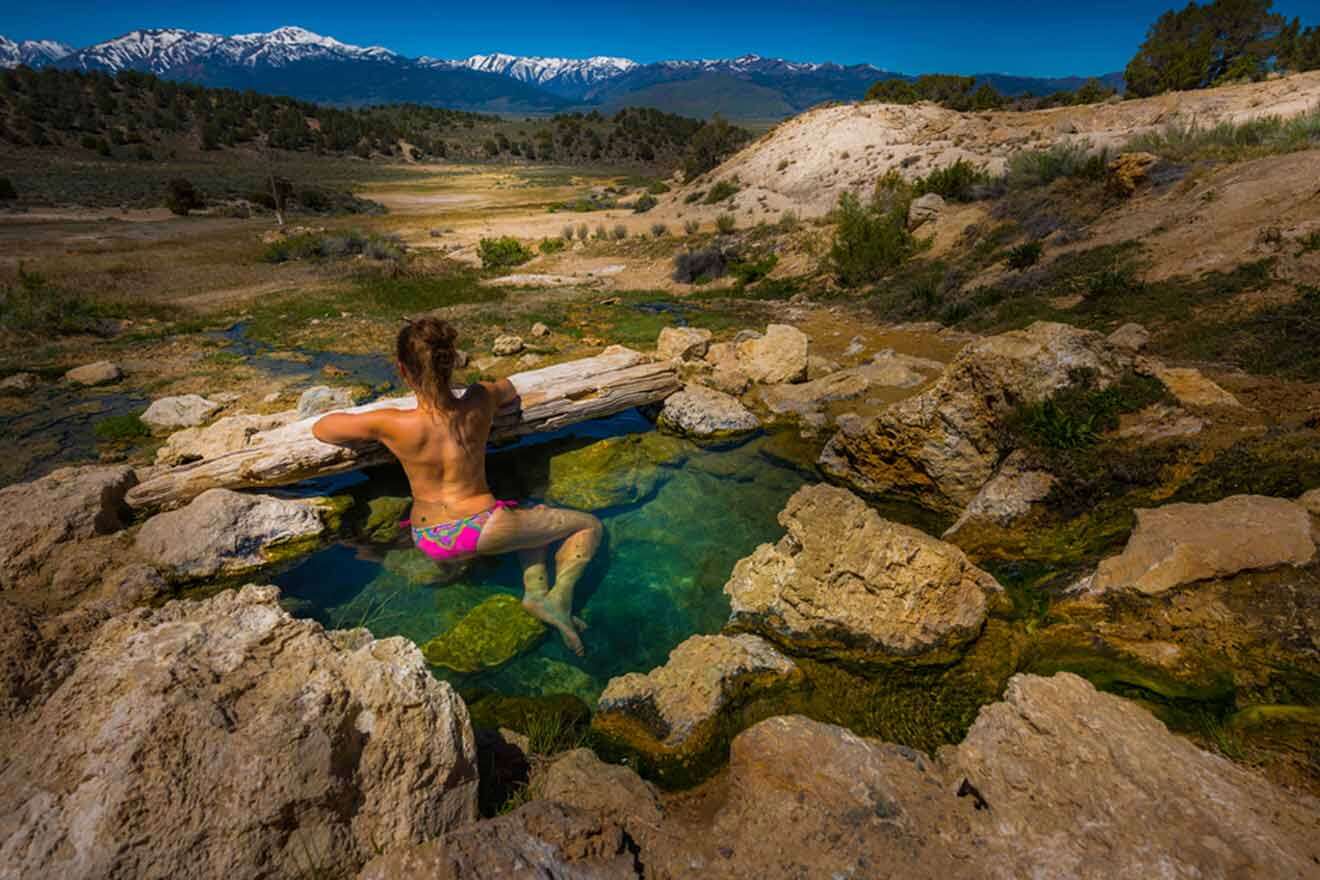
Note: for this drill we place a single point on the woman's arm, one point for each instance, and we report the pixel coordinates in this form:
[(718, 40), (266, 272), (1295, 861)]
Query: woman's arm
[(341, 428), (502, 391)]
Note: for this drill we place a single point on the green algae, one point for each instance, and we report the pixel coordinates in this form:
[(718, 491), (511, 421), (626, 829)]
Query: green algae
[(490, 635), (381, 522), (551, 722)]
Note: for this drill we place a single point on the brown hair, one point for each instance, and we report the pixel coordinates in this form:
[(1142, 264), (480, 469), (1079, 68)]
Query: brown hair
[(427, 357)]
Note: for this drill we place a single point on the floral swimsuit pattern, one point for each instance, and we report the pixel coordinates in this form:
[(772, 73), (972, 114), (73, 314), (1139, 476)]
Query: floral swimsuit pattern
[(448, 541)]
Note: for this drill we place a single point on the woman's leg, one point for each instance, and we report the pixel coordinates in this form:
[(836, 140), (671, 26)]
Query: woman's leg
[(529, 531)]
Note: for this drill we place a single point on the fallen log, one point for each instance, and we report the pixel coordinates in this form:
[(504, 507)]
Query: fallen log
[(616, 380)]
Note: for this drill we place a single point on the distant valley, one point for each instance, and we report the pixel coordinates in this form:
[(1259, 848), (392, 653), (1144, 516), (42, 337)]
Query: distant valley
[(302, 64)]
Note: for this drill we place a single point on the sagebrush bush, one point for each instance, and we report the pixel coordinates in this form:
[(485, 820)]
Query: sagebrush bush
[(722, 191), (552, 245), (583, 232), (726, 223), (788, 221), (601, 232), (869, 240), (657, 188), (120, 429), (620, 231), (751, 271), (690, 227), (567, 232), (957, 182), (644, 203), (1030, 168), (659, 230), (502, 253), (699, 266)]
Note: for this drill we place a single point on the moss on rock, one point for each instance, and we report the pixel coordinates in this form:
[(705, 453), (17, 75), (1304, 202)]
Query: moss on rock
[(490, 635)]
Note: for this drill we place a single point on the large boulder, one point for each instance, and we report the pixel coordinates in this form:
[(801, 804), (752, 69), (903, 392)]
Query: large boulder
[(1009, 496), (538, 840), (225, 435), (488, 636), (223, 738), (886, 370), (1056, 782), (674, 715), (55, 513), (183, 411), (924, 209), (683, 343), (843, 582), (1182, 543), (705, 414), (941, 446), (778, 356), (222, 532)]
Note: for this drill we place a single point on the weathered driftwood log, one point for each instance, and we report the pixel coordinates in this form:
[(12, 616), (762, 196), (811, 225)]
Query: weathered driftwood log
[(616, 380)]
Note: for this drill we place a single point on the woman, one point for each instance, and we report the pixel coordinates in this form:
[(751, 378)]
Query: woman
[(442, 447)]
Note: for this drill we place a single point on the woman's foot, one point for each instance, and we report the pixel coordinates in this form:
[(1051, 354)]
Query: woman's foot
[(543, 609)]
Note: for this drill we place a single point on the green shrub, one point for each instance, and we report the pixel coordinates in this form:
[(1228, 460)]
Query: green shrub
[(1076, 416), (645, 203), (181, 197), (601, 233), (690, 227), (751, 271), (788, 221), (552, 245), (502, 253), (120, 429), (1113, 280), (725, 223), (620, 231), (583, 231), (1031, 168), (1229, 141), (567, 232), (33, 305), (7, 191), (956, 181), (659, 230), (725, 189), (1025, 255), (694, 197), (869, 240), (657, 188)]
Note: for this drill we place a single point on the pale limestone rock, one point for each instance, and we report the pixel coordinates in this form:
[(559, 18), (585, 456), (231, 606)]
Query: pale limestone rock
[(778, 356), (682, 343), (323, 399), (924, 209), (226, 434), (1008, 496), (1190, 387), (223, 738), (227, 532), (506, 345), (1130, 336), (704, 413), (183, 411), (99, 373), (1183, 543), (846, 583)]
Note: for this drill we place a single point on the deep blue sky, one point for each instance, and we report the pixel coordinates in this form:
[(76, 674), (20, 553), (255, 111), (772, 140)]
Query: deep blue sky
[(929, 35)]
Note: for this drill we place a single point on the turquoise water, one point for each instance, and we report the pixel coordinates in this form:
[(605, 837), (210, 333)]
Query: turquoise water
[(677, 517)]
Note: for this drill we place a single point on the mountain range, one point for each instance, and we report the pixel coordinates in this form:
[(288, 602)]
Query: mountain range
[(297, 62)]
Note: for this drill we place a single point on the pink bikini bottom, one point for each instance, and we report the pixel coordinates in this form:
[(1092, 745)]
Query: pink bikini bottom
[(446, 542)]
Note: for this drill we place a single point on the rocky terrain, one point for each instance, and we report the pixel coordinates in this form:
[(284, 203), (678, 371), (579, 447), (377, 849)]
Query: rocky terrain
[(1042, 599)]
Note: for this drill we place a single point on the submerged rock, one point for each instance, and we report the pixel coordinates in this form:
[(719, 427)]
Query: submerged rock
[(222, 532), (941, 446), (706, 414), (847, 584), (55, 513), (225, 435), (183, 411), (490, 635), (224, 739), (778, 356), (684, 343), (672, 715), (99, 373), (610, 472), (1182, 543), (384, 513)]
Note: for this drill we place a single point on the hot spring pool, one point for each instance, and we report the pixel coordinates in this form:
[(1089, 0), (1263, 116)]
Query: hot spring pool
[(677, 517)]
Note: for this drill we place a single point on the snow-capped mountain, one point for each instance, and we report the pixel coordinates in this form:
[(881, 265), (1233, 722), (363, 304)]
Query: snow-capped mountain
[(160, 50), (569, 77), (33, 53)]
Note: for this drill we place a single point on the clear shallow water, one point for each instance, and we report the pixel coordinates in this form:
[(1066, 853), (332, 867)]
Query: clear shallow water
[(671, 540)]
